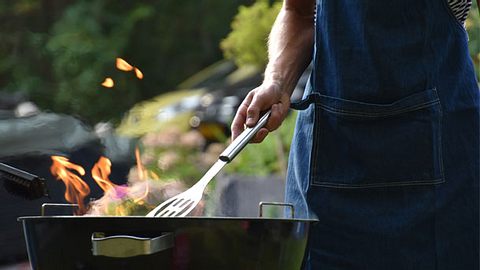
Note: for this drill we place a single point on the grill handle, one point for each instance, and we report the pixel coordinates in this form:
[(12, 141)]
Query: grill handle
[(289, 205), (125, 246)]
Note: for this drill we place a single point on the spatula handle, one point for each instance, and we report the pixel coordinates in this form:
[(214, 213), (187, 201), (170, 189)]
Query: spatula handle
[(242, 140)]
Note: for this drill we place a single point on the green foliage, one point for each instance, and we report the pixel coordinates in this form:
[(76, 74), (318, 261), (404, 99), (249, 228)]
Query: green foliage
[(246, 44), (473, 27), (83, 48)]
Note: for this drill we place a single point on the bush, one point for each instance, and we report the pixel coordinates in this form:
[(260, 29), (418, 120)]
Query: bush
[(246, 44)]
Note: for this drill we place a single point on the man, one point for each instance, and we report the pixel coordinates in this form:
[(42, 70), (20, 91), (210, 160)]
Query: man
[(386, 151)]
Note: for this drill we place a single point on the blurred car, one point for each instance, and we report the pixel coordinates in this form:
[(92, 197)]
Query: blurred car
[(166, 110)]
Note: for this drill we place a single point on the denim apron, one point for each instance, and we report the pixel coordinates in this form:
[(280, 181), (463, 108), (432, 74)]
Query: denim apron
[(386, 148)]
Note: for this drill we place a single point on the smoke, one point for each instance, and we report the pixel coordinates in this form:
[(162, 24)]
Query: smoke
[(135, 198)]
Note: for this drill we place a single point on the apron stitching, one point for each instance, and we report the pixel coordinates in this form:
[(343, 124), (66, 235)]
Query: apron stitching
[(440, 142), (313, 152), (379, 114), (384, 184)]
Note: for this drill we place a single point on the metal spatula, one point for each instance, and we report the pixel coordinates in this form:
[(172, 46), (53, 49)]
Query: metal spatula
[(183, 203)]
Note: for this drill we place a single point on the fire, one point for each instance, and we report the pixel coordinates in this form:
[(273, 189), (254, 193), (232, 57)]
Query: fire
[(108, 82), (123, 65), (100, 172), (138, 73), (76, 189), (140, 168), (141, 175)]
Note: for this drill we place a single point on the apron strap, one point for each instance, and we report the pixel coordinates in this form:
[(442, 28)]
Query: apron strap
[(304, 103)]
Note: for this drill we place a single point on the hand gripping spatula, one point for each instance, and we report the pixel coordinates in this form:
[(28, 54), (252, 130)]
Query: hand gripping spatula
[(183, 203)]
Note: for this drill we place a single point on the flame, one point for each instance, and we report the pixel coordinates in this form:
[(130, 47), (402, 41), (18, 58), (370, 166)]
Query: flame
[(123, 65), (108, 82), (142, 176), (76, 189), (138, 73), (112, 192), (100, 172), (140, 168)]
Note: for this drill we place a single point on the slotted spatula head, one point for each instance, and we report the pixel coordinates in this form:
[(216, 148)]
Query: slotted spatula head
[(183, 203)]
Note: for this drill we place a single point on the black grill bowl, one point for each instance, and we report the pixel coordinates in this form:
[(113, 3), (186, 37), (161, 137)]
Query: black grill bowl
[(65, 242)]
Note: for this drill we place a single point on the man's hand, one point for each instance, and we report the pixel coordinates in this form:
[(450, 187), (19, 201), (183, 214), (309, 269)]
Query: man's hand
[(265, 97), (290, 50)]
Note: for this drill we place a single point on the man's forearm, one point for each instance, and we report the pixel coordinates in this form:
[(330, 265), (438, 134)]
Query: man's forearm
[(290, 43)]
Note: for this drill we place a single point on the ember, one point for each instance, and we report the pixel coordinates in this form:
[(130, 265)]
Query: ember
[(108, 82), (123, 65), (138, 73)]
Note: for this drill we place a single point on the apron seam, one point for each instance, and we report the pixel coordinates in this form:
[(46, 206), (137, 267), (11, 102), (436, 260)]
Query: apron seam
[(383, 184), (389, 113)]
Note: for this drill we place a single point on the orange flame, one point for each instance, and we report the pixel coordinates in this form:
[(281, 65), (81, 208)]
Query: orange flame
[(138, 73), (123, 65), (140, 168), (76, 189), (108, 82), (141, 175), (100, 172)]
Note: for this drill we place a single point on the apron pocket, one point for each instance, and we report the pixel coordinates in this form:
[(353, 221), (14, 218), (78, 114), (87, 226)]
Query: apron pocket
[(362, 145)]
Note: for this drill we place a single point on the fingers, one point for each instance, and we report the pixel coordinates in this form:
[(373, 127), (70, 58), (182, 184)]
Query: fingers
[(238, 124), (278, 114), (260, 136), (256, 106), (257, 101), (263, 101)]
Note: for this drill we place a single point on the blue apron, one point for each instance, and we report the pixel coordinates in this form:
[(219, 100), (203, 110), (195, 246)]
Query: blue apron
[(386, 151)]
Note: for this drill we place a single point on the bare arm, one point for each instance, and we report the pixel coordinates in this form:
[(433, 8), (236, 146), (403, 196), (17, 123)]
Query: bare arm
[(290, 43), (289, 51)]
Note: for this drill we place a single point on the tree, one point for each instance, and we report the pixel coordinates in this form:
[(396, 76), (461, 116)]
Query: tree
[(246, 44)]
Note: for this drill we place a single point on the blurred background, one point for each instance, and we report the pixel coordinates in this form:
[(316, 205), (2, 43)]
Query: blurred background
[(152, 86)]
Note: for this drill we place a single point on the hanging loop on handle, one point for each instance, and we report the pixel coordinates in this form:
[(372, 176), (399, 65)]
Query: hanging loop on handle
[(286, 205)]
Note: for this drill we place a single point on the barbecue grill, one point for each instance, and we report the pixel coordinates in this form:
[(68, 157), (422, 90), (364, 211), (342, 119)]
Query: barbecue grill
[(91, 242)]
